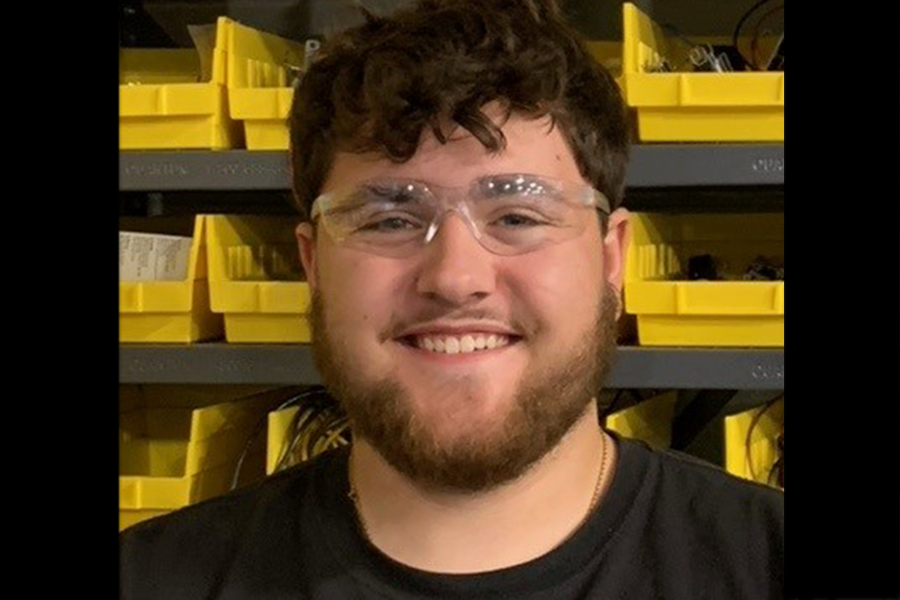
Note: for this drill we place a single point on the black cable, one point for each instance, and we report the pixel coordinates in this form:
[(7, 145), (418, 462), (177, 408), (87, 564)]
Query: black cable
[(260, 427), (737, 29), (253, 437), (777, 471), (317, 407), (612, 405), (295, 429), (753, 423)]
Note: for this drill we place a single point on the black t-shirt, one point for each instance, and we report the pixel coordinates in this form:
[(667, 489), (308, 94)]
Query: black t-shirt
[(669, 527)]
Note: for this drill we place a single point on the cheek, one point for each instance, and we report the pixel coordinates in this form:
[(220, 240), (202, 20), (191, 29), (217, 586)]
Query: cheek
[(562, 291), (358, 295)]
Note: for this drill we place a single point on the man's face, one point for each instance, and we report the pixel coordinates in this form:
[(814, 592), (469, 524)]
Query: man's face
[(467, 421)]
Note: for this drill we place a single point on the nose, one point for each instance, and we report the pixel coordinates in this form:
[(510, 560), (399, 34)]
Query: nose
[(456, 268)]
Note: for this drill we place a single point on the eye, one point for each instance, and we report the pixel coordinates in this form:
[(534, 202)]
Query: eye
[(515, 220), (389, 224)]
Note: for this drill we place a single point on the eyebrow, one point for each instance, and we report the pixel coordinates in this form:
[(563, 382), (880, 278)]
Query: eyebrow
[(551, 189), (390, 187)]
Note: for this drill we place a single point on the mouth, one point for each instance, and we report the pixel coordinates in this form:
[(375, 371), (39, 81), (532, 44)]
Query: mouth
[(461, 348)]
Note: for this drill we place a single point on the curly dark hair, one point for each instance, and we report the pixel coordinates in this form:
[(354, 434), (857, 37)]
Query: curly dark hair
[(375, 87)]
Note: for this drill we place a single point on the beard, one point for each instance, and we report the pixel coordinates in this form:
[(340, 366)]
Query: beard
[(549, 401)]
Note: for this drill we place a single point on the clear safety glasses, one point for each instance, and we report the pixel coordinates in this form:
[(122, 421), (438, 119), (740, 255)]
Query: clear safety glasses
[(508, 214)]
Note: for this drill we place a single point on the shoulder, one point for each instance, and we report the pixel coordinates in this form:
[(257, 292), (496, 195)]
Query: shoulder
[(717, 503), (219, 512), (717, 534), (697, 479)]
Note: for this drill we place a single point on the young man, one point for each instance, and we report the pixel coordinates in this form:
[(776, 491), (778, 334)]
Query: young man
[(459, 168)]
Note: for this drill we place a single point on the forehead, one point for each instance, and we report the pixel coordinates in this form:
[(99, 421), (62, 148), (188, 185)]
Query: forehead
[(532, 146)]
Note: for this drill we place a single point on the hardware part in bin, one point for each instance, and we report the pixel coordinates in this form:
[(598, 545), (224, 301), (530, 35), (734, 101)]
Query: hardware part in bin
[(310, 49), (762, 269), (699, 57), (705, 267), (731, 56), (702, 268), (705, 60)]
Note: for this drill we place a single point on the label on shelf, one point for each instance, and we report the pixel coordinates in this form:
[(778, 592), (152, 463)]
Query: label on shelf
[(153, 257)]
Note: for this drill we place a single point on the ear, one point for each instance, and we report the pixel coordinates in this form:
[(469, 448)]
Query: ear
[(615, 249), (306, 243)]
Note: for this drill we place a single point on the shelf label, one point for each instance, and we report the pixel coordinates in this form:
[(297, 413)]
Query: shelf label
[(771, 372), (768, 165), (157, 170), (245, 169)]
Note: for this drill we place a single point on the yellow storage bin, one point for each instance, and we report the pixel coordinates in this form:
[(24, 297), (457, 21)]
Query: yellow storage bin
[(167, 101), (649, 421), (695, 107), (173, 454), (256, 279), (278, 436), (259, 92), (754, 461), (169, 311), (674, 312)]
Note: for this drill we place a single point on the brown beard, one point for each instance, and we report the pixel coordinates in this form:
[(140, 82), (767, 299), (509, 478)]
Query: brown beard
[(547, 404)]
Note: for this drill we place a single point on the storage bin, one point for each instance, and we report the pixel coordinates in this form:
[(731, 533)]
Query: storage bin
[(754, 460), (256, 280), (173, 454), (672, 311), (260, 91), (170, 311), (167, 101), (695, 107)]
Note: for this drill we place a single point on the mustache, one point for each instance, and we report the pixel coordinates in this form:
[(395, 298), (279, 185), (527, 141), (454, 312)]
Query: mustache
[(399, 324)]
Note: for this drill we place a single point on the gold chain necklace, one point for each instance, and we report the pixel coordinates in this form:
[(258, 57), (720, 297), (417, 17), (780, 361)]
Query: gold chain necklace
[(594, 499)]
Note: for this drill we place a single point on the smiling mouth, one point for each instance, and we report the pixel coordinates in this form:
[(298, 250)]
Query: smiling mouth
[(458, 345)]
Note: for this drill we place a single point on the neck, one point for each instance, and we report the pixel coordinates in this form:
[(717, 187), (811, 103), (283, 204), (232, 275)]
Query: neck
[(468, 533)]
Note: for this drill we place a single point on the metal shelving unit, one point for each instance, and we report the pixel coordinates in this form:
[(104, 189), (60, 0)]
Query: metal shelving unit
[(276, 364), (651, 166)]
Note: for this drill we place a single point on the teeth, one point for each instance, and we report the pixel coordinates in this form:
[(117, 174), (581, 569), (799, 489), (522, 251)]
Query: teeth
[(461, 345)]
